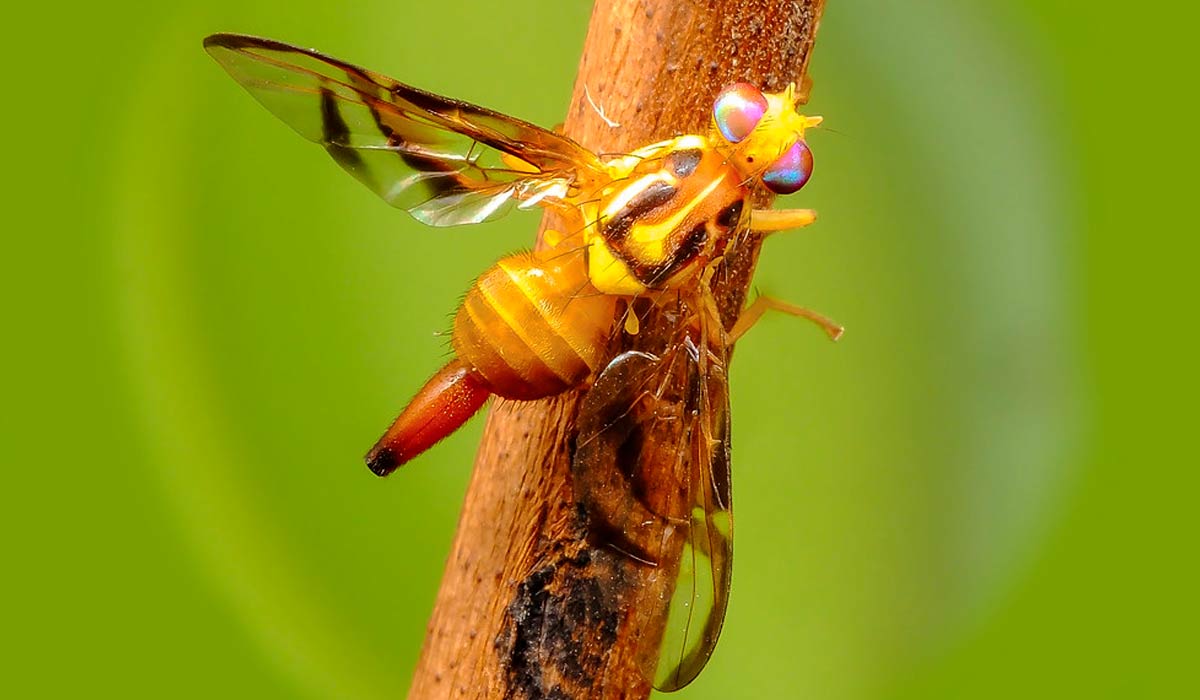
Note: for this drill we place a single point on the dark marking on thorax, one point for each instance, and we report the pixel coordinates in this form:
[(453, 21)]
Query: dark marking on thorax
[(683, 163), (698, 180), (654, 196)]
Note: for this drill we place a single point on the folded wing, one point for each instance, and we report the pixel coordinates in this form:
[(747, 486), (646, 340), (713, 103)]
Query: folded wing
[(651, 469)]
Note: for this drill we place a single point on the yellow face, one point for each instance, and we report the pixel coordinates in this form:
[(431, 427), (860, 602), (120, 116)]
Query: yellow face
[(762, 135)]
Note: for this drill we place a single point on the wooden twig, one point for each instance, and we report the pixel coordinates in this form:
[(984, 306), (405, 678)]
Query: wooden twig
[(528, 608)]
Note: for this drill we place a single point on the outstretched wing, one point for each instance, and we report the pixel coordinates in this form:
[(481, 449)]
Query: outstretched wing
[(651, 469), (444, 161)]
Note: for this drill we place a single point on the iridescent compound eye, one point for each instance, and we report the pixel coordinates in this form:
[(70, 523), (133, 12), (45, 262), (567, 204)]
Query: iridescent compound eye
[(790, 171), (737, 111)]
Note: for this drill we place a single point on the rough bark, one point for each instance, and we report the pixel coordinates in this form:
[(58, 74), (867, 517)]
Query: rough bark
[(528, 608)]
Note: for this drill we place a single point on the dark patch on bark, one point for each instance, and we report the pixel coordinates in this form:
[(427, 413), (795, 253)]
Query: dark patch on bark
[(560, 626)]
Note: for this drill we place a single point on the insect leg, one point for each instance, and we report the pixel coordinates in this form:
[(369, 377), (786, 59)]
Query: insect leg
[(767, 221), (752, 313)]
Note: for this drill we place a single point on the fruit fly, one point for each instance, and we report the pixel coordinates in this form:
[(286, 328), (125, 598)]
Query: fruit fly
[(644, 229)]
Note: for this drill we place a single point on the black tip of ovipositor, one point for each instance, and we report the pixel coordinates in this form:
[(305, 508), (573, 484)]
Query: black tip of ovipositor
[(382, 461)]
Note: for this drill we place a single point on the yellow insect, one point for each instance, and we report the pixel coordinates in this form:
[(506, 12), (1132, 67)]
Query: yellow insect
[(646, 229)]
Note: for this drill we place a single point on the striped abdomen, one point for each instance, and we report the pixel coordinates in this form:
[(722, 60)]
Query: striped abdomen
[(532, 325)]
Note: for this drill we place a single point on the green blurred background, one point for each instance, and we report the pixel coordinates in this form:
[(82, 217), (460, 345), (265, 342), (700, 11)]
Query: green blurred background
[(982, 491)]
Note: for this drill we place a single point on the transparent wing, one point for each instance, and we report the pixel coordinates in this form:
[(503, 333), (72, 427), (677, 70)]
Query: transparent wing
[(444, 161), (651, 469)]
